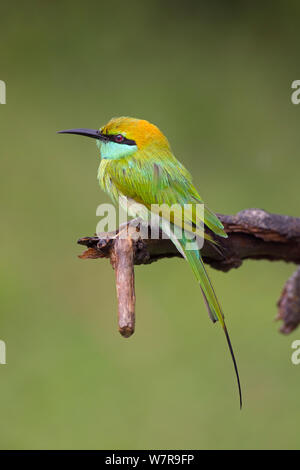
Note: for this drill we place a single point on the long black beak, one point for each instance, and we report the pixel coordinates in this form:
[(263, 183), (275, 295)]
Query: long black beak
[(95, 134)]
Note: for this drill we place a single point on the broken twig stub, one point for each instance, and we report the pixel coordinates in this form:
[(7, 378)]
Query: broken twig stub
[(122, 262)]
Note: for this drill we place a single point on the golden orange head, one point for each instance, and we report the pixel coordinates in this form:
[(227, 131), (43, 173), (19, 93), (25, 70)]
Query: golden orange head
[(142, 132)]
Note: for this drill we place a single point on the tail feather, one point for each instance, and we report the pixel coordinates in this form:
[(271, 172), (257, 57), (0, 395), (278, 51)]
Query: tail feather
[(212, 303), (210, 313), (234, 364), (194, 259)]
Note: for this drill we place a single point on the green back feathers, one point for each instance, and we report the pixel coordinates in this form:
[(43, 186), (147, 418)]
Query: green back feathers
[(153, 177)]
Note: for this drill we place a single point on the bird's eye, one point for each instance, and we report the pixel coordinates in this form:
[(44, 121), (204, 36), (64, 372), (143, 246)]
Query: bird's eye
[(119, 138)]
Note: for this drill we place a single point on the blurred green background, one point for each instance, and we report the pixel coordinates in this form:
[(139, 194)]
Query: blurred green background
[(216, 78)]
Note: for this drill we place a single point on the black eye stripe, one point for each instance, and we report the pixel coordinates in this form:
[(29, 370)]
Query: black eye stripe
[(111, 138)]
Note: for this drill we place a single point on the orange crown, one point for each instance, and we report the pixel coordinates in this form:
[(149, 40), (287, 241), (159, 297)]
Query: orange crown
[(142, 132)]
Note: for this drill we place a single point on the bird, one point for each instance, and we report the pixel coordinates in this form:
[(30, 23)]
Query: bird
[(138, 165)]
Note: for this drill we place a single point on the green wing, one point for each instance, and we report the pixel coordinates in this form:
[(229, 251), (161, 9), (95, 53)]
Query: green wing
[(162, 179)]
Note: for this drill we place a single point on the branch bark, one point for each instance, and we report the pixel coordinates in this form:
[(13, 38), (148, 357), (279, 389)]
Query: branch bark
[(122, 261), (253, 234)]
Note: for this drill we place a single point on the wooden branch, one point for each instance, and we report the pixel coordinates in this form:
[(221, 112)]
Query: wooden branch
[(253, 234), (289, 304), (122, 261)]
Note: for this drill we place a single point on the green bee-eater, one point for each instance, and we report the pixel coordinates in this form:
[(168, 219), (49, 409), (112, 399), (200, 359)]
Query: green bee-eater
[(137, 164)]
